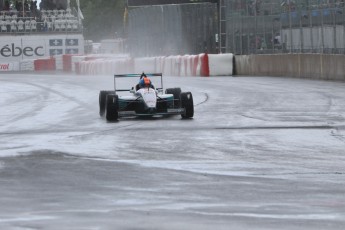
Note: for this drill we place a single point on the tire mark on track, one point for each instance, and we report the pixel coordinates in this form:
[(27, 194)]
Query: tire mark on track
[(104, 131), (49, 90), (34, 108), (334, 129), (207, 97), (159, 129), (336, 134), (80, 103), (278, 127)]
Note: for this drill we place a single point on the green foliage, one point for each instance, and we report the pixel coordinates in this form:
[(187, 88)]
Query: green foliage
[(102, 18)]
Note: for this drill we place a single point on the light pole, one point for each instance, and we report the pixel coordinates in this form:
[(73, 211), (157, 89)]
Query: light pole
[(322, 33), (290, 26), (343, 28)]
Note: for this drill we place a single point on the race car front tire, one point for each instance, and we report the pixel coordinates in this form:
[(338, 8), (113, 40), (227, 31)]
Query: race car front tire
[(111, 107), (102, 98), (188, 104), (176, 92)]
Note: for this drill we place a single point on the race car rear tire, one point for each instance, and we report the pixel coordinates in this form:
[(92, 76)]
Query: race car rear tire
[(176, 92), (111, 107), (102, 99), (188, 104)]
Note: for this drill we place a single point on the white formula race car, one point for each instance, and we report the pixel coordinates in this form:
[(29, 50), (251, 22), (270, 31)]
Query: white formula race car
[(147, 101)]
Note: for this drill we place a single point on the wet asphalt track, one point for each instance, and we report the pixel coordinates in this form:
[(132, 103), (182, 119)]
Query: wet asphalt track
[(260, 153)]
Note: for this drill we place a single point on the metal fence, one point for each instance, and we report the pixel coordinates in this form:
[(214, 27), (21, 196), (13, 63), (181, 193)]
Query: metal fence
[(172, 29), (282, 26)]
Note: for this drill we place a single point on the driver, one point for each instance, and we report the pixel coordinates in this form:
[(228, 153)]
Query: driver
[(145, 82)]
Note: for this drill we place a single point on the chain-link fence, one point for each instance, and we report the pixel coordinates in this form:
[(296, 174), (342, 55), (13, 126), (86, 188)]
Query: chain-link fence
[(172, 29), (283, 26)]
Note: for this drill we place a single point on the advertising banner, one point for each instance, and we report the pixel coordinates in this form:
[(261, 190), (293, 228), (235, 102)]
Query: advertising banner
[(18, 48), (10, 66)]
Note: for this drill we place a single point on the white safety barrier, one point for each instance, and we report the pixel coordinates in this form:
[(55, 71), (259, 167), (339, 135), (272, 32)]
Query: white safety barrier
[(169, 65), (59, 62), (27, 65), (186, 65), (105, 66), (220, 64), (76, 67)]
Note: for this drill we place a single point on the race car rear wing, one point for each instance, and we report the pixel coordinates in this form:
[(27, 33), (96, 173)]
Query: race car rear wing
[(137, 75)]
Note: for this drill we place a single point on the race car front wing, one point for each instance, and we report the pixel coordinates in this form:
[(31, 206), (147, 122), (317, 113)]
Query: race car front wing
[(129, 113)]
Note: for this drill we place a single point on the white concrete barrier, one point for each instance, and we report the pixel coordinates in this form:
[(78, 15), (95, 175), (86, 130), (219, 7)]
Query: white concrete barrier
[(59, 62), (77, 59), (27, 65), (105, 66), (186, 65), (202, 66), (220, 64), (171, 66)]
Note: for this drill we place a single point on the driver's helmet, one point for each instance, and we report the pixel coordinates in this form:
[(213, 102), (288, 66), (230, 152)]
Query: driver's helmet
[(145, 82)]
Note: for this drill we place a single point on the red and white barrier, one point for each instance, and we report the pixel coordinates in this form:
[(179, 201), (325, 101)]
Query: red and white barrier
[(76, 63), (45, 64), (104, 66), (187, 65), (68, 62)]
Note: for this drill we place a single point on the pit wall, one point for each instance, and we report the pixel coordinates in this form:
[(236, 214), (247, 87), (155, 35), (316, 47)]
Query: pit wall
[(313, 66)]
